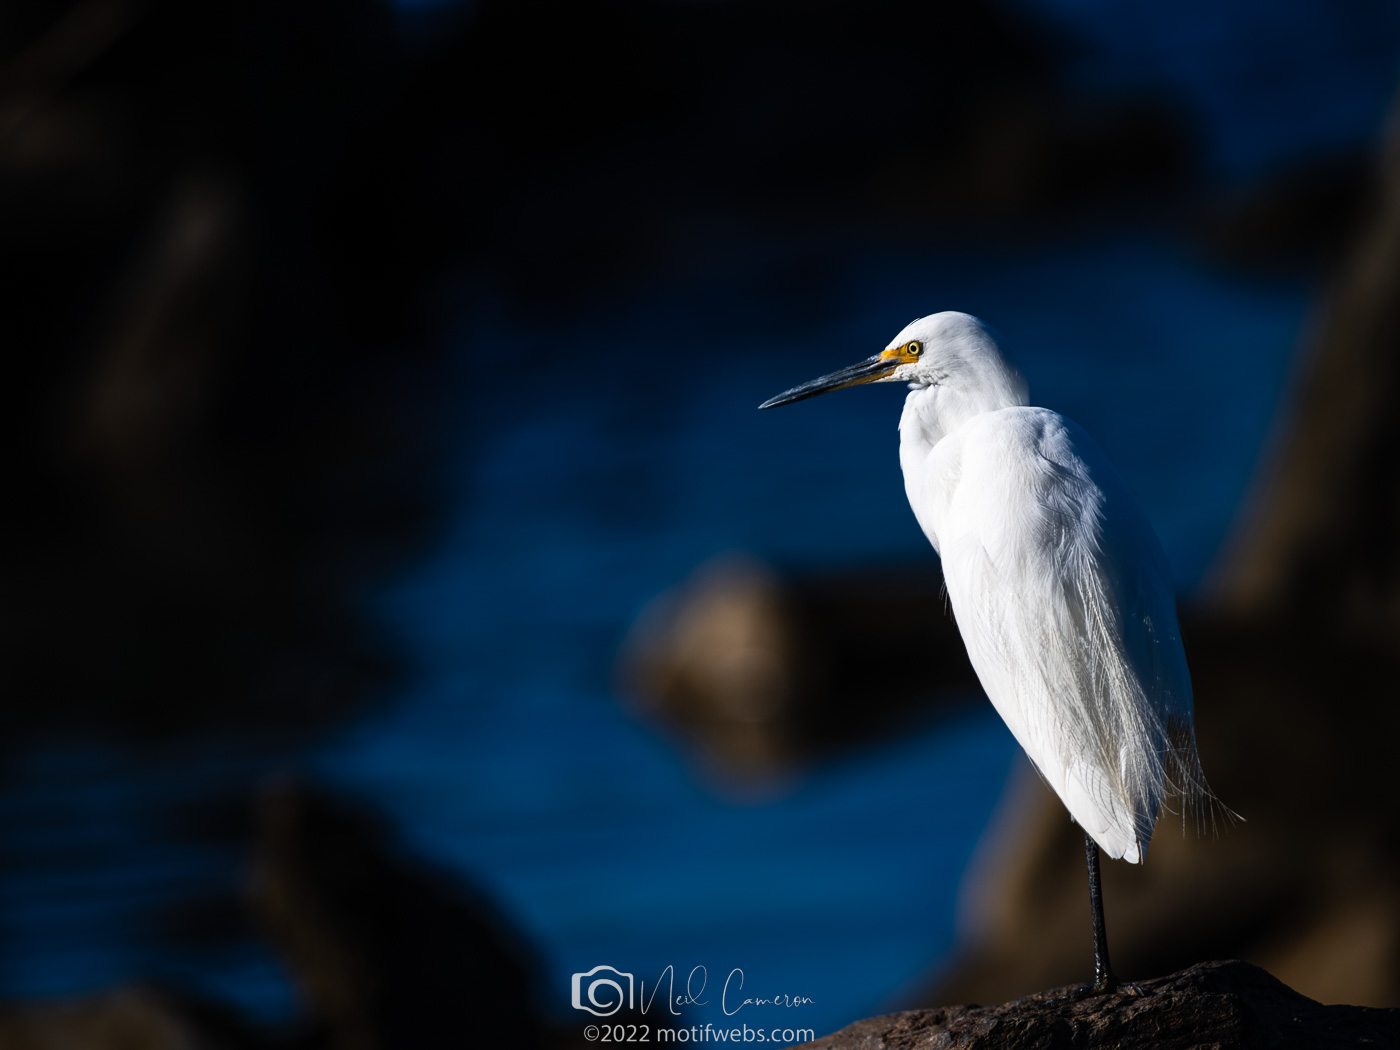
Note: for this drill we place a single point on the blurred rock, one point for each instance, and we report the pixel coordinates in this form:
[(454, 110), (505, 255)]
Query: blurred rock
[(127, 1019), (718, 656), (1032, 159), (214, 433), (1319, 539), (772, 113), (765, 670), (1303, 217), (1292, 737), (1210, 1006), (387, 953)]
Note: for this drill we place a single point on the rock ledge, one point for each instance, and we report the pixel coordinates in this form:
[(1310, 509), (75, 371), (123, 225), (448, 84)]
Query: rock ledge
[(1217, 1005)]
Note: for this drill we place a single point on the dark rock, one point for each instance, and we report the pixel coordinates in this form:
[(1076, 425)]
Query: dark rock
[(217, 441), (387, 952), (760, 666), (1320, 535), (130, 1019), (1220, 1005), (1303, 217), (991, 132)]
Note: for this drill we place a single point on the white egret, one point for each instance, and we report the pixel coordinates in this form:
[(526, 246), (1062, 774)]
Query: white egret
[(1059, 586)]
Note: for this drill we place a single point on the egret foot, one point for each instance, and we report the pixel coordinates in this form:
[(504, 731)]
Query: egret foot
[(1104, 986)]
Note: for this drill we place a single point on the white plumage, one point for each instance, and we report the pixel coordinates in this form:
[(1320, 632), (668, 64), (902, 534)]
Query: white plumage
[(1059, 585)]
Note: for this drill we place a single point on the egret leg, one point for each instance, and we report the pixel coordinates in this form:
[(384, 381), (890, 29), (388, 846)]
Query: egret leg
[(1105, 980)]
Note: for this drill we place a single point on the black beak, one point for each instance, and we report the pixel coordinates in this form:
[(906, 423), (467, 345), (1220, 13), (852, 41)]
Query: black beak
[(867, 371)]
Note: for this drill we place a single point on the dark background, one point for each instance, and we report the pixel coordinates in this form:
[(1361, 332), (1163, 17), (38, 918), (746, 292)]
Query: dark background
[(371, 368)]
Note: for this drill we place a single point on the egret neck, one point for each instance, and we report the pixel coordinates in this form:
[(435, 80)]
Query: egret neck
[(942, 401)]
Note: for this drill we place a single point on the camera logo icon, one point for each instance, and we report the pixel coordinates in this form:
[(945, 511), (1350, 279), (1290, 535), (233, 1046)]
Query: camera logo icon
[(602, 991)]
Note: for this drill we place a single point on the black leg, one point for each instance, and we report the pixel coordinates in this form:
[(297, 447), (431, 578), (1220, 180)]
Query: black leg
[(1104, 980)]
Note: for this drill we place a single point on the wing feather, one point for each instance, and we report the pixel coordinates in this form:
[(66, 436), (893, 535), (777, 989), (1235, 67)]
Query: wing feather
[(1065, 601)]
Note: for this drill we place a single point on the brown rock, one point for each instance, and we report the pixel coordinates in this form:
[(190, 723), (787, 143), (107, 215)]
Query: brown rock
[(1320, 534), (1218, 1005), (125, 1019), (386, 952), (765, 669)]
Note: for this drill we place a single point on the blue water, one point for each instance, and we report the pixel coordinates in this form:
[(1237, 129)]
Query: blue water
[(632, 454)]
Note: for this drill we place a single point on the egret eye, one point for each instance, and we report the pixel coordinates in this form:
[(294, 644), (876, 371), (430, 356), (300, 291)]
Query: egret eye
[(915, 348)]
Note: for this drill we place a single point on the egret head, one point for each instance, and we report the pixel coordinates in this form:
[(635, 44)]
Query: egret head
[(950, 349)]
